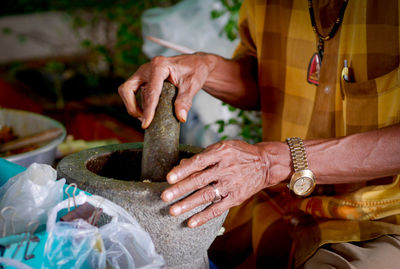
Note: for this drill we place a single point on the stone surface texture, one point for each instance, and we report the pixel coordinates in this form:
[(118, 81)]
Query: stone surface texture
[(181, 247), (161, 138)]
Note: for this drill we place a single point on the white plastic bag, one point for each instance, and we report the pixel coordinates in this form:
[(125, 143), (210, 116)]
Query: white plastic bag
[(14, 263), (74, 245), (31, 193), (127, 245)]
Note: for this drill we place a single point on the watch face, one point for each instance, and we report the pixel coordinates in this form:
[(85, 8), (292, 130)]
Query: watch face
[(302, 185)]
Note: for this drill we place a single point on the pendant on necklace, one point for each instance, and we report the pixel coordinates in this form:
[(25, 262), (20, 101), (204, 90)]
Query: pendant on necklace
[(314, 68)]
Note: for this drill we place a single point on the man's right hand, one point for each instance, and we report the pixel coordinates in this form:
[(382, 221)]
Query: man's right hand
[(187, 72)]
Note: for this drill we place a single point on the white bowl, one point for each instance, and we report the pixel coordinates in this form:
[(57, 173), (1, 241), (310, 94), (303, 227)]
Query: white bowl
[(26, 123)]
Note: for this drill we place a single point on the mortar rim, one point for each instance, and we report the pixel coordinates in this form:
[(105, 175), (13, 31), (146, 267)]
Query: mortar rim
[(76, 163)]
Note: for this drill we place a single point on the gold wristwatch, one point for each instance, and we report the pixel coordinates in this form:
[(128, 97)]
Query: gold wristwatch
[(302, 182)]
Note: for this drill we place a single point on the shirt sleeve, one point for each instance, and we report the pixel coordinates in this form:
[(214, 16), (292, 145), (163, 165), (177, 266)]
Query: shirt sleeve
[(246, 19)]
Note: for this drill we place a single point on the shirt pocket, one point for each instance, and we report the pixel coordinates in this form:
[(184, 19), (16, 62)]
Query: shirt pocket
[(371, 104)]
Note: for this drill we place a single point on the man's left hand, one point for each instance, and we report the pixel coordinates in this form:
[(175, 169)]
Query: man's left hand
[(235, 170)]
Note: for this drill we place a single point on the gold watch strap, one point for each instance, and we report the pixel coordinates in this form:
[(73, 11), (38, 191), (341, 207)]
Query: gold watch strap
[(298, 153)]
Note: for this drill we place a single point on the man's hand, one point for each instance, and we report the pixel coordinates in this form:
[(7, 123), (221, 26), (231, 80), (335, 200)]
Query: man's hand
[(187, 72), (237, 169)]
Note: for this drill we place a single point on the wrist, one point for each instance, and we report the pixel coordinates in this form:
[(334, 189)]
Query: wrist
[(302, 181), (277, 157)]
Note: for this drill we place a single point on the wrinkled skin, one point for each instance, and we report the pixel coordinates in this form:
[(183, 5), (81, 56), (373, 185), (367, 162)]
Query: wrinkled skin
[(237, 169), (187, 72)]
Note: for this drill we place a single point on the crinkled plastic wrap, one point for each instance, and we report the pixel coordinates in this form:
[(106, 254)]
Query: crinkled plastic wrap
[(122, 243), (74, 245), (14, 263), (30, 194), (127, 247)]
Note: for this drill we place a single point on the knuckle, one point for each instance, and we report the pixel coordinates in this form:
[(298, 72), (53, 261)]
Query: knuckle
[(132, 112), (215, 211), (219, 146), (181, 189), (228, 143), (183, 161), (208, 195), (121, 89), (236, 199), (158, 60), (150, 94), (199, 160), (224, 183), (200, 181), (184, 101)]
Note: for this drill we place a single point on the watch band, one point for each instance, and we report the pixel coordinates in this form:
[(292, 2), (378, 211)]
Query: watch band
[(298, 153)]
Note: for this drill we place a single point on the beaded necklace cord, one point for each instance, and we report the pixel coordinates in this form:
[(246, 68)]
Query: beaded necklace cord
[(314, 65), (334, 29)]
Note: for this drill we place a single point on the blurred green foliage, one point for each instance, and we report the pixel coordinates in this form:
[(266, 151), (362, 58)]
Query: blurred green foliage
[(125, 55), (122, 57), (14, 7), (248, 122), (231, 7), (114, 45)]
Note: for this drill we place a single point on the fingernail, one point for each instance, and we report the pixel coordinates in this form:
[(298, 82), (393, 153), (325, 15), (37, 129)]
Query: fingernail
[(168, 196), (192, 224), (183, 114), (172, 178), (176, 210)]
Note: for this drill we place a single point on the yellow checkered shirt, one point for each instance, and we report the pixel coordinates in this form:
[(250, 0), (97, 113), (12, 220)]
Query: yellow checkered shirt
[(279, 35)]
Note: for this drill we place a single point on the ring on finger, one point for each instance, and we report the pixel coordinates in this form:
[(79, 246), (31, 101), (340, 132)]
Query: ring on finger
[(218, 196)]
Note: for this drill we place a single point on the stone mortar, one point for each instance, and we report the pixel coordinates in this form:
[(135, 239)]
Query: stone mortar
[(110, 172)]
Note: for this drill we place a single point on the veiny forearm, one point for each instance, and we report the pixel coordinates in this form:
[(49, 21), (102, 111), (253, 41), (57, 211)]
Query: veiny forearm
[(357, 157), (234, 81), (350, 159)]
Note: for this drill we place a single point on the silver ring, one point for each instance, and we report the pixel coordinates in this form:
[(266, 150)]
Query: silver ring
[(218, 196)]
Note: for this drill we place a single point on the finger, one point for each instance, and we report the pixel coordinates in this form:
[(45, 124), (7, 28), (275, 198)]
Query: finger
[(159, 73), (209, 157), (127, 93), (201, 197), (194, 182), (184, 98), (213, 211)]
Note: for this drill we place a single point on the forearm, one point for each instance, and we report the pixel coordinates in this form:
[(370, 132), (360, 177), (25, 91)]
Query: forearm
[(234, 81), (355, 158), (350, 159)]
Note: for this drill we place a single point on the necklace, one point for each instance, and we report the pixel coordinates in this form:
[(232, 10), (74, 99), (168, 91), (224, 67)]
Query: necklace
[(314, 66)]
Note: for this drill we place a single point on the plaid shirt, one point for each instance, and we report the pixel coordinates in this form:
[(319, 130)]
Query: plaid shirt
[(280, 36)]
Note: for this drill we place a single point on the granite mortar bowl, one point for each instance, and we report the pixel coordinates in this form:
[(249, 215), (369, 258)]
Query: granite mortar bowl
[(113, 172)]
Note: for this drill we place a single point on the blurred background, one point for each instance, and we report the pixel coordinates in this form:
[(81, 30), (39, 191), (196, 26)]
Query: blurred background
[(66, 58)]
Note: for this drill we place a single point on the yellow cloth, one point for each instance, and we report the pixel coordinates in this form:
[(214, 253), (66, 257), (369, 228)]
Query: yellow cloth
[(280, 36)]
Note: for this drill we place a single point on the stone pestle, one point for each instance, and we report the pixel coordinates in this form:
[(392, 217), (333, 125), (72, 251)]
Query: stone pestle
[(161, 138)]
